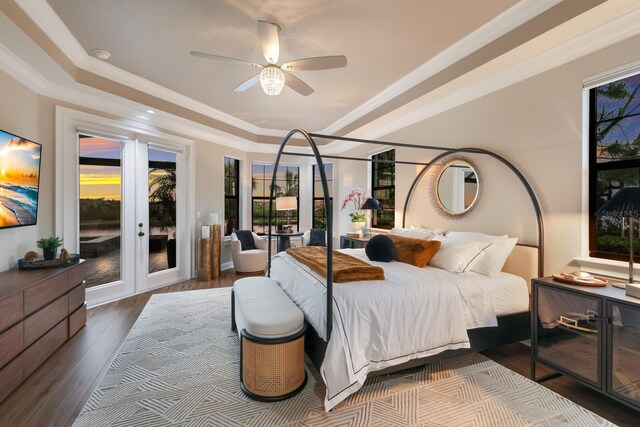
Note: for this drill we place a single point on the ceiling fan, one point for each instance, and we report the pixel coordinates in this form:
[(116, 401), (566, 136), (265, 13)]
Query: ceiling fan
[(273, 77)]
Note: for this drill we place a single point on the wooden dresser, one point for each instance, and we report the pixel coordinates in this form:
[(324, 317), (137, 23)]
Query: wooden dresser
[(39, 311)]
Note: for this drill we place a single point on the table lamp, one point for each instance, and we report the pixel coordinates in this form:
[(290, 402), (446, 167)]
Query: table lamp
[(625, 203), (370, 204), (287, 204)]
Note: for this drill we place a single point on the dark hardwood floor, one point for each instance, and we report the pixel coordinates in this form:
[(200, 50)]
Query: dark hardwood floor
[(57, 391)]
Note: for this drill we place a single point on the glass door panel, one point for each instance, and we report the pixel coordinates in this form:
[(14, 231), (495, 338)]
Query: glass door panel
[(162, 210), (570, 332), (625, 351), (100, 209)]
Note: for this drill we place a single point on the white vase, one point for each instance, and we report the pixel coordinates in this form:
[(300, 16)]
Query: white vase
[(358, 226)]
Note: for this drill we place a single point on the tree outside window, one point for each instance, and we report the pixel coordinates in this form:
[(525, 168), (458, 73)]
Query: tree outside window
[(614, 161)]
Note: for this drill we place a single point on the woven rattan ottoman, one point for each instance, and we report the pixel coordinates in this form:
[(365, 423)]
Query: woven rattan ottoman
[(271, 330)]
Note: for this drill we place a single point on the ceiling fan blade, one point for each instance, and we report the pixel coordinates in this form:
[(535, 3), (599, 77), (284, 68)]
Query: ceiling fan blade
[(247, 83), (317, 63), (269, 42), (296, 84), (224, 58)]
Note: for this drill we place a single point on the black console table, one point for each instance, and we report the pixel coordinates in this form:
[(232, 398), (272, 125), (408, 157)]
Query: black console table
[(590, 334)]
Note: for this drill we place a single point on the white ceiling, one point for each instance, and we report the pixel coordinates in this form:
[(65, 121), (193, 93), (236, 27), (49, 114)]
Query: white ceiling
[(383, 40)]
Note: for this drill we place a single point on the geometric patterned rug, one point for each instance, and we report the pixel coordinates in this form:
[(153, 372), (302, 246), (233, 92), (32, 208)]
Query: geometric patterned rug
[(179, 366)]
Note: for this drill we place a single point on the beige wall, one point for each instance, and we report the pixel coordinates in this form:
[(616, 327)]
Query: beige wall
[(537, 124), (24, 113)]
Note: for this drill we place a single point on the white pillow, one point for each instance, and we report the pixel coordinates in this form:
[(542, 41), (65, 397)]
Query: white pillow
[(495, 256), (416, 233), (458, 256)]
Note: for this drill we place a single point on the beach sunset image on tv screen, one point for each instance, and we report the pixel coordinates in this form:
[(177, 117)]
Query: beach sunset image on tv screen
[(19, 179)]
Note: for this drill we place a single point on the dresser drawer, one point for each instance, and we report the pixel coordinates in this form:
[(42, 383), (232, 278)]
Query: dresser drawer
[(76, 275), (44, 347), (43, 293), (11, 343), (11, 310), (76, 298), (10, 377), (77, 320), (37, 324)]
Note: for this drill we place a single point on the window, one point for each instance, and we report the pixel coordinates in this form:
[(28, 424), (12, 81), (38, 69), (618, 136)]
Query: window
[(231, 195), (383, 188), (319, 220), (286, 185), (614, 161)]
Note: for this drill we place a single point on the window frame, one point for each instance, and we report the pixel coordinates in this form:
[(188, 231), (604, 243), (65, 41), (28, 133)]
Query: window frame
[(237, 195), (267, 178), (313, 192), (374, 188), (595, 167)]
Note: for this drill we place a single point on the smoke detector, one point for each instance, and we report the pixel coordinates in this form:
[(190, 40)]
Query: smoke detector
[(102, 54)]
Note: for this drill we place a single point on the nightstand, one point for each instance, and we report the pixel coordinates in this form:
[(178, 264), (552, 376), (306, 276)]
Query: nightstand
[(590, 334), (353, 242)]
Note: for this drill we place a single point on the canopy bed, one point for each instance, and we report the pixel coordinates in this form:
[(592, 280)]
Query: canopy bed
[(415, 315)]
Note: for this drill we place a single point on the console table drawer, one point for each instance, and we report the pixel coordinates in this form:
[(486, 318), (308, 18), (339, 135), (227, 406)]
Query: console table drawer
[(76, 275), (37, 324), (11, 376), (43, 293), (76, 298), (11, 343), (44, 347), (77, 320), (11, 310)]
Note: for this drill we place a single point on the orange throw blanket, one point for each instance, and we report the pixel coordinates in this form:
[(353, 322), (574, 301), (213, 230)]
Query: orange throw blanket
[(345, 267)]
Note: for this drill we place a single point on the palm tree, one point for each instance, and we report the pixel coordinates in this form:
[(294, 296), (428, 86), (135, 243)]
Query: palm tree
[(163, 192)]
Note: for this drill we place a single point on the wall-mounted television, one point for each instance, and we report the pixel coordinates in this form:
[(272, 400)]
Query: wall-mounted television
[(19, 180)]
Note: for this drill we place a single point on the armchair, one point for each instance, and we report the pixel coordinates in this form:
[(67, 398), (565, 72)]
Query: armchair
[(251, 260)]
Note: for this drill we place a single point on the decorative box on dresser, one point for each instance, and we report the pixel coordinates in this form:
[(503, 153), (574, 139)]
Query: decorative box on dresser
[(589, 333), (39, 311)]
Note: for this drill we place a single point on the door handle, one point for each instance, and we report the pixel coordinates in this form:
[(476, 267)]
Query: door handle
[(141, 233)]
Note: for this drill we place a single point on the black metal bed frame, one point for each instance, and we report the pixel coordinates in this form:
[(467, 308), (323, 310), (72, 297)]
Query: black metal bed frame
[(482, 340)]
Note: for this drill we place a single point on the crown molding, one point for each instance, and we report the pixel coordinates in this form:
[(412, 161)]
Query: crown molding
[(106, 103), (606, 24), (500, 25), (43, 15), (21, 71)]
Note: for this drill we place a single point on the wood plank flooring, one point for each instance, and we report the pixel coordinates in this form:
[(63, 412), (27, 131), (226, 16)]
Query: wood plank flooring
[(57, 391)]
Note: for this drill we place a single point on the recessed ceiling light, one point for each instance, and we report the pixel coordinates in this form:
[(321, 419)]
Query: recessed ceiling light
[(151, 112), (102, 54)]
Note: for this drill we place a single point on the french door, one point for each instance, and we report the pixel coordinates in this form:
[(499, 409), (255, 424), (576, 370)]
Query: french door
[(132, 215)]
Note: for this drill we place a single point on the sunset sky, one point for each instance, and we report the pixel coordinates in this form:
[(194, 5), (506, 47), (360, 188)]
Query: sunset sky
[(19, 160), (105, 181)]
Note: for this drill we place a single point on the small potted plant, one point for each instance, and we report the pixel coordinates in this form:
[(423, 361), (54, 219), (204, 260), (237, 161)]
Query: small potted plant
[(49, 247)]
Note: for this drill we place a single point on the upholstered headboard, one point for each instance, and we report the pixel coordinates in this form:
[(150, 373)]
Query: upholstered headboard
[(523, 262)]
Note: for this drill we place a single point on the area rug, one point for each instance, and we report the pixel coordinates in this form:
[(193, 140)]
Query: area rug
[(179, 366)]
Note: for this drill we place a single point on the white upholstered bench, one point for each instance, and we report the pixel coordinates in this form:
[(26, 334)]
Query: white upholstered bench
[(271, 330)]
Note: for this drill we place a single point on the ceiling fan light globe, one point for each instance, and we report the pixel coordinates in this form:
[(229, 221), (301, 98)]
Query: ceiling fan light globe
[(272, 80)]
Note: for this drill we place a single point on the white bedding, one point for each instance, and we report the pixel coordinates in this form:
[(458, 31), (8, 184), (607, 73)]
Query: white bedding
[(413, 313)]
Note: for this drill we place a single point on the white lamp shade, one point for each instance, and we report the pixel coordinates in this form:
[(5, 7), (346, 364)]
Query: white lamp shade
[(286, 203)]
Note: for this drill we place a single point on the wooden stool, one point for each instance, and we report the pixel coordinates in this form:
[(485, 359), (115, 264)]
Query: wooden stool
[(271, 329)]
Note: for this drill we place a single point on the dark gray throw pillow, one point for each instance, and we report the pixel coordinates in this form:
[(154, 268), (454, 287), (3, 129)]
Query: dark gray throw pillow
[(317, 237), (246, 239), (380, 248)]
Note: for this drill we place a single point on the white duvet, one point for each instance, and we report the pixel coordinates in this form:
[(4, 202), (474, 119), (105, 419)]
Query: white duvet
[(413, 313)]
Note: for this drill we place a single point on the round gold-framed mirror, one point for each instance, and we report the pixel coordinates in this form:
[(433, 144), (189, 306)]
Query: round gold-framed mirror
[(456, 187)]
